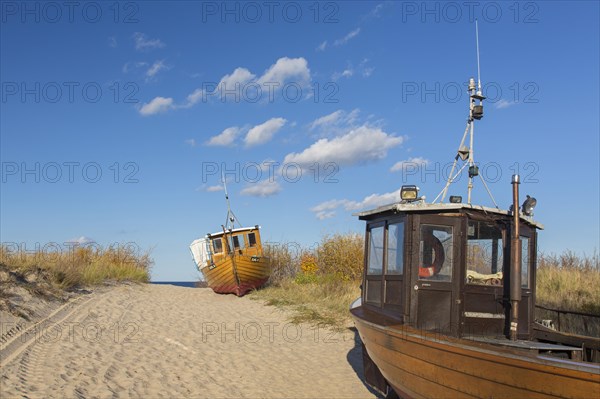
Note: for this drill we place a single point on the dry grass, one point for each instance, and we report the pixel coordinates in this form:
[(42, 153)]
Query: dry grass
[(322, 301), (318, 285), (341, 255), (569, 282), (78, 267)]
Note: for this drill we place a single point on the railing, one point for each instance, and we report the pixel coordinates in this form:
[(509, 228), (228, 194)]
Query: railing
[(572, 321)]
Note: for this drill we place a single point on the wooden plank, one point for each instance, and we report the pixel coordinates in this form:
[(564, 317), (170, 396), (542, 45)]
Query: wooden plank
[(457, 380)]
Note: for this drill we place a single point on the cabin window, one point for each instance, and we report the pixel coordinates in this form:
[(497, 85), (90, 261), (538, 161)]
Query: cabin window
[(395, 247), (251, 239), (524, 262), (375, 265), (238, 242), (217, 245), (436, 253), (484, 254)]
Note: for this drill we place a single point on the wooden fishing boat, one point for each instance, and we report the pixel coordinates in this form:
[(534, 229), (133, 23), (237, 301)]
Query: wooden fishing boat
[(448, 299), (449, 335), (232, 260)]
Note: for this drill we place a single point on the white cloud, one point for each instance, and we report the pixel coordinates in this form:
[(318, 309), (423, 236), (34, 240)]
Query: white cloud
[(336, 123), (322, 46), (346, 73), (143, 43), (265, 188), (412, 163), (133, 65), (212, 189), (268, 166), (347, 38), (373, 201), (191, 142), (82, 240), (264, 132), (377, 11), (364, 69), (157, 105), (286, 69), (112, 42), (275, 77), (359, 145), (225, 138), (327, 209), (193, 98), (330, 119), (240, 76), (504, 104), (155, 68)]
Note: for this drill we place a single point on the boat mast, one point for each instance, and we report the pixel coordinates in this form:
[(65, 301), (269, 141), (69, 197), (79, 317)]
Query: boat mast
[(229, 226), (231, 218), (467, 154)]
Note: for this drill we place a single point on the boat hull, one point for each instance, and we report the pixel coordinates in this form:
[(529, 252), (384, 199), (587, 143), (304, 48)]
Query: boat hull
[(420, 364), (252, 273)]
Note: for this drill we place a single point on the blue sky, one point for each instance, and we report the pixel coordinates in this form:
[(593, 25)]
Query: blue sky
[(117, 120)]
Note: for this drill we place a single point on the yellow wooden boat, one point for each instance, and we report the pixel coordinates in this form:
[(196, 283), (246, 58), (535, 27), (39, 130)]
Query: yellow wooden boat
[(232, 260)]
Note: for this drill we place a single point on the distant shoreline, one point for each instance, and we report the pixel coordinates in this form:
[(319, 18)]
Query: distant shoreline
[(188, 284)]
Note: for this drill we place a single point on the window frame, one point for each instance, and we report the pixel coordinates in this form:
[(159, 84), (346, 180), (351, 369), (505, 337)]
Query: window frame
[(214, 241), (382, 280), (500, 256)]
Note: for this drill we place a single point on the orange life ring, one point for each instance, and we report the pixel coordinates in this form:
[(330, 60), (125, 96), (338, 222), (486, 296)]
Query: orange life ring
[(439, 257)]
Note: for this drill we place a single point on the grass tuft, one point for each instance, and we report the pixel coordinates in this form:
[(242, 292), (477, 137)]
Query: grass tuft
[(78, 267), (324, 301)]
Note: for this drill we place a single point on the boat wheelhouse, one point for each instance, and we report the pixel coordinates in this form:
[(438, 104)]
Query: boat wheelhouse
[(441, 267)]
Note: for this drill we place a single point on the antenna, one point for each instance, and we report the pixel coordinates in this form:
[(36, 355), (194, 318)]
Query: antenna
[(231, 218), (464, 153), (478, 69)]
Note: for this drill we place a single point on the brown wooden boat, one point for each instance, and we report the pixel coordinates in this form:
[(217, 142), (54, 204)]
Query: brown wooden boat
[(448, 335), (448, 300), (232, 261)]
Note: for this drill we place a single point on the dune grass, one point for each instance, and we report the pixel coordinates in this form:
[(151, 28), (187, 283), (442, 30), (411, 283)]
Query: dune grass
[(78, 267), (569, 282), (321, 300), (319, 284)]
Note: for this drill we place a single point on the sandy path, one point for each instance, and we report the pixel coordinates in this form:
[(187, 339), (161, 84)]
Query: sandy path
[(166, 341)]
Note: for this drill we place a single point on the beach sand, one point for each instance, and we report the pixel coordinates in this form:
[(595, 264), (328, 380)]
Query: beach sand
[(166, 341)]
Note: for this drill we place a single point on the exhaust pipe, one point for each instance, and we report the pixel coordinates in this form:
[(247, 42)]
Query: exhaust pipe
[(515, 262)]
